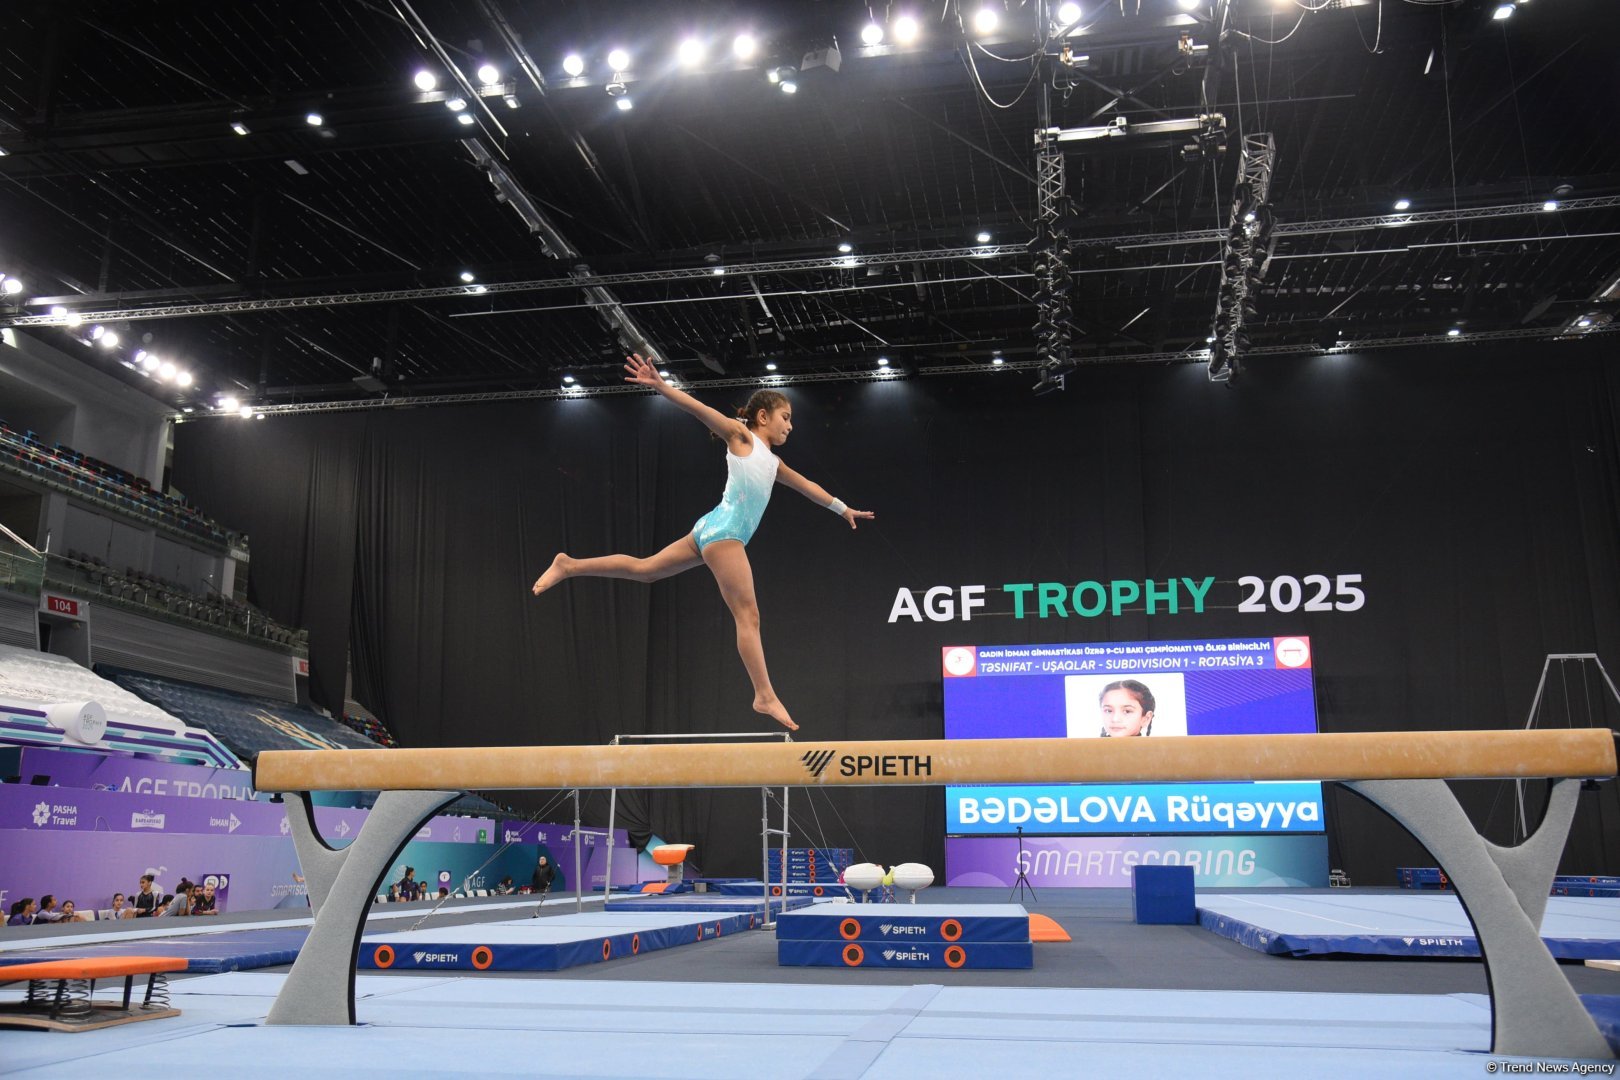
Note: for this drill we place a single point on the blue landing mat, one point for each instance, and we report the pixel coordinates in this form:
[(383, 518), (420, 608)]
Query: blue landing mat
[(563, 941), (875, 923), (602, 1028), (209, 954), (707, 902), (1396, 924), (1001, 955)]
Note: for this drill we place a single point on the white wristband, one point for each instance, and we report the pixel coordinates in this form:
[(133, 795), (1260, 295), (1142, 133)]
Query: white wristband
[(837, 506)]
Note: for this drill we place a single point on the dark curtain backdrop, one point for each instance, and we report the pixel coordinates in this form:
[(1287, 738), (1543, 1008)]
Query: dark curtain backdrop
[(1476, 491)]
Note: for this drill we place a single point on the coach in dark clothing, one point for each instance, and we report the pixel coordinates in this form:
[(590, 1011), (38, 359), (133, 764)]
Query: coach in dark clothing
[(544, 875)]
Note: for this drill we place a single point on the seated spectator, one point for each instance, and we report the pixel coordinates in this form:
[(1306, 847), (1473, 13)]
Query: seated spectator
[(443, 892), (47, 910), (120, 909), (505, 888), (146, 902), (180, 902), (203, 901), (69, 912), (393, 894), (22, 912)]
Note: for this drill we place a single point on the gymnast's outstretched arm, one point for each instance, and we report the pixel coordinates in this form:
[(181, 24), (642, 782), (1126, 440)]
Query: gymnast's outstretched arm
[(733, 431), (819, 495)]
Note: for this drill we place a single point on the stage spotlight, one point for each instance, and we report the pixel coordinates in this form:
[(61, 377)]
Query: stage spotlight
[(455, 104), (996, 361), (96, 331), (1454, 332), (245, 412), (574, 64), (771, 366), (1403, 204), (109, 339), (489, 74), (426, 80), (74, 318), (1584, 321), (883, 361), (1550, 205), (465, 118), (166, 371), (569, 379), (239, 127), (149, 362), (983, 238), (183, 378), (619, 60), (1068, 14), (229, 404), (12, 286), (845, 248), (872, 34), (743, 46), (690, 52), (789, 86), (906, 29), (314, 119), (1187, 5), (985, 20), (1503, 11), (718, 271), (258, 416), (624, 104), (57, 310), (468, 276)]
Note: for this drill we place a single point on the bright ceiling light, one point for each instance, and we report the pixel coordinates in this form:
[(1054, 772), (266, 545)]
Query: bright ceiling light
[(872, 34), (239, 127), (771, 366), (314, 119), (690, 52), (1454, 332), (109, 339), (718, 271), (983, 238), (12, 286), (574, 64), (455, 104), (1550, 205), (468, 276), (1068, 14), (883, 361), (465, 118), (183, 378), (998, 361), (846, 247), (789, 86), (1584, 321), (1403, 204), (58, 310), (245, 412), (489, 74), (74, 318), (1187, 5), (985, 20), (619, 60), (149, 362), (568, 379), (743, 46), (258, 416), (906, 29), (96, 331), (167, 371), (229, 404), (624, 104), (1503, 11), (426, 80)]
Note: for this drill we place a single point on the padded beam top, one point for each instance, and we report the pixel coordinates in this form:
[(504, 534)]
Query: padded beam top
[(1398, 755)]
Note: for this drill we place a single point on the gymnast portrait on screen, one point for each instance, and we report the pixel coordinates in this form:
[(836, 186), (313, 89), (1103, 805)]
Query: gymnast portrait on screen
[(1109, 706), (1127, 708), (719, 537)]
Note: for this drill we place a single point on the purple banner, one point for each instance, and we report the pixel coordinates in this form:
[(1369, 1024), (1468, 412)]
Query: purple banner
[(1106, 861), (559, 839), (142, 776)]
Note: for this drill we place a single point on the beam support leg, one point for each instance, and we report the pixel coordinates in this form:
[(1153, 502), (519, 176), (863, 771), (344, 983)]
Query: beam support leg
[(343, 882), (1534, 1010)]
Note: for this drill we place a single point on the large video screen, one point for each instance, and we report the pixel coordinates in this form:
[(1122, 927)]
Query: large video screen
[(1144, 689)]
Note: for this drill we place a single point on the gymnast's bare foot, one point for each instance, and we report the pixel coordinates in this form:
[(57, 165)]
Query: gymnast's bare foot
[(557, 571), (774, 708)]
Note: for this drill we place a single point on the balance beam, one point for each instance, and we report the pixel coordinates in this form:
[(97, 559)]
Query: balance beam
[(1397, 755), (1534, 1010)]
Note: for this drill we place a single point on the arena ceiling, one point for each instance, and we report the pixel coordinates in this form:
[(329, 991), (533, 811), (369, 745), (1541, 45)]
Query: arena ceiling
[(162, 179)]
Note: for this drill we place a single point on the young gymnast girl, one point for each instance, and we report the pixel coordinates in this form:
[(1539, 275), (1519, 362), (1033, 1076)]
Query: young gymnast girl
[(718, 537)]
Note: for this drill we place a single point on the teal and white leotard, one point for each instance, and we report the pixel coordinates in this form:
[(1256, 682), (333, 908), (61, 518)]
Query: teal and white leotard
[(748, 489)]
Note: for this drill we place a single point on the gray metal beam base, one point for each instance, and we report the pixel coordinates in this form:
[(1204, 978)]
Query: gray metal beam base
[(343, 882), (1534, 1010)]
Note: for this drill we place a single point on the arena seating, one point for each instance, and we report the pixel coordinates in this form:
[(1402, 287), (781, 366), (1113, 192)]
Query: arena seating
[(244, 723), (28, 676), (97, 480)]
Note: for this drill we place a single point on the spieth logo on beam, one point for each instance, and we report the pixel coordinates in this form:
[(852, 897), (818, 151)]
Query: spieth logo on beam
[(865, 765)]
